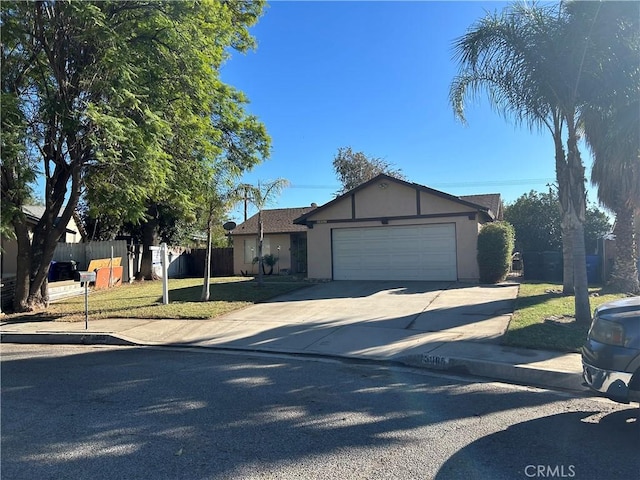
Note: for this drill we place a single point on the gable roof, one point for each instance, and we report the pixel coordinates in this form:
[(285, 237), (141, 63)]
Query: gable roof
[(278, 220), (35, 212), (467, 200)]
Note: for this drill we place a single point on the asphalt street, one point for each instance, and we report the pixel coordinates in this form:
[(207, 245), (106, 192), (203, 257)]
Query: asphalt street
[(80, 412)]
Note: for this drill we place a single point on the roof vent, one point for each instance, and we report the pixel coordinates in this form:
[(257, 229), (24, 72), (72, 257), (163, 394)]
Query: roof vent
[(314, 205)]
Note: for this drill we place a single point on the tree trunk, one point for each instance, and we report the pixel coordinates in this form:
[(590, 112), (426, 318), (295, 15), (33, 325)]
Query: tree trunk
[(625, 268), (204, 297), (260, 240), (581, 285), (23, 271), (35, 253), (149, 239), (567, 258), (62, 149), (564, 191), (576, 216)]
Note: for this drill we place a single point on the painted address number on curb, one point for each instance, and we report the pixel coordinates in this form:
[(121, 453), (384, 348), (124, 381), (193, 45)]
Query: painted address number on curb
[(435, 361)]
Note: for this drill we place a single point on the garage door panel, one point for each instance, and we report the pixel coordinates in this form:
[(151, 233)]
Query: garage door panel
[(420, 252)]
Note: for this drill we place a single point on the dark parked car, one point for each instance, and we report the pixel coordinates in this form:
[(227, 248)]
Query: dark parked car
[(611, 355)]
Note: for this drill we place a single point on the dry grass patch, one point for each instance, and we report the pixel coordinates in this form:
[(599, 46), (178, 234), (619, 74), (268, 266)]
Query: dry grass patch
[(144, 299)]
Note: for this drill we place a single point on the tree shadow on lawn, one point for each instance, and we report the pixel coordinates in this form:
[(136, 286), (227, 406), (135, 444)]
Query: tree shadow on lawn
[(31, 317), (548, 336), (234, 292), (556, 293), (534, 300)]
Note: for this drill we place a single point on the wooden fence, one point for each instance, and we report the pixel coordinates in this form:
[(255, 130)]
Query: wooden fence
[(183, 262), (221, 262)]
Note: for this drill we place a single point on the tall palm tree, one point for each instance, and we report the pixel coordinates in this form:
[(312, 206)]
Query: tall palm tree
[(525, 61), (215, 206), (613, 133), (616, 172), (611, 119), (260, 196)]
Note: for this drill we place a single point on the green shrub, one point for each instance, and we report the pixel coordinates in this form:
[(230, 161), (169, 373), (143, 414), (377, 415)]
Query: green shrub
[(269, 260), (495, 247)]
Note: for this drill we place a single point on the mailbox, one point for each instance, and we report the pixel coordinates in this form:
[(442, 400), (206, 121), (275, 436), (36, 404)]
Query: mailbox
[(84, 277)]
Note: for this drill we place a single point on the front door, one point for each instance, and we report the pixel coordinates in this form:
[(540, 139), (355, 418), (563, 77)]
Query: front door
[(299, 253)]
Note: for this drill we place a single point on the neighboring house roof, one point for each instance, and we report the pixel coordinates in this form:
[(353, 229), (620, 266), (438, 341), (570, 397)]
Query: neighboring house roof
[(476, 205), (278, 220), (490, 200), (35, 212)]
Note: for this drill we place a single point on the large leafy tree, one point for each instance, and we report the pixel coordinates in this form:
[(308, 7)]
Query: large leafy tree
[(611, 120), (527, 61), (536, 219), (215, 127), (354, 168), (123, 99)]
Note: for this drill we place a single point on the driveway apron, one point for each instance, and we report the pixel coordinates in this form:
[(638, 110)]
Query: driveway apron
[(364, 315)]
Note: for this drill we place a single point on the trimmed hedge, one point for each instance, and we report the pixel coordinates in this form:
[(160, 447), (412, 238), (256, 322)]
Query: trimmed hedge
[(495, 248)]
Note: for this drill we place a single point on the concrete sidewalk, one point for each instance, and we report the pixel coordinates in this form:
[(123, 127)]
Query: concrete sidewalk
[(447, 327)]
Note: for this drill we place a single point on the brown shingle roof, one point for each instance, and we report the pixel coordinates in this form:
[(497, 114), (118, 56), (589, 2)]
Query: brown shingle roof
[(490, 200), (278, 220)]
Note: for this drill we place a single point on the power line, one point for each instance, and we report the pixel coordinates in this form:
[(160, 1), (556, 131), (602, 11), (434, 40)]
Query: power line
[(525, 181), (492, 183)]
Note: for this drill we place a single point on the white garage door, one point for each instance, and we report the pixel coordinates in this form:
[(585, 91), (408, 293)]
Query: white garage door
[(415, 252)]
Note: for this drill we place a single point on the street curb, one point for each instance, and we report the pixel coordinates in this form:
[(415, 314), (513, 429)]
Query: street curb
[(517, 374), (65, 339)]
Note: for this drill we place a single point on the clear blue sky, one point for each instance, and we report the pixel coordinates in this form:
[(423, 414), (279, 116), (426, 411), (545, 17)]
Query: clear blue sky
[(375, 76)]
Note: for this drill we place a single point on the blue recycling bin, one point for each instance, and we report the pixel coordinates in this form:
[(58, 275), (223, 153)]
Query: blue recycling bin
[(53, 273), (593, 269)]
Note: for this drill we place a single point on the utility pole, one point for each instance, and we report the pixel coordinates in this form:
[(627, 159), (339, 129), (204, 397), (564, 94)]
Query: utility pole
[(246, 200), (245, 194)]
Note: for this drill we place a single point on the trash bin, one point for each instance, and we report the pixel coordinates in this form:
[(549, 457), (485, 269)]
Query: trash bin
[(63, 270), (593, 269), (52, 276), (532, 263), (552, 266)]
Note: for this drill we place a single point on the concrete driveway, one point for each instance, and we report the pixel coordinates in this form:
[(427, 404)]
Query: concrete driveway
[(464, 311), (412, 322), (442, 326)]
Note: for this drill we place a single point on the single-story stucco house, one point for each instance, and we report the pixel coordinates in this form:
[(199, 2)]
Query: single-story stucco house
[(282, 238), (384, 229)]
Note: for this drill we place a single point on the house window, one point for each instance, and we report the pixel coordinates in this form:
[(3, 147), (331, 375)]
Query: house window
[(251, 249)]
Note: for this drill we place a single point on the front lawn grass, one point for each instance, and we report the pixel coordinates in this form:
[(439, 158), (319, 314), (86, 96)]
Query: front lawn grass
[(144, 299), (538, 305)]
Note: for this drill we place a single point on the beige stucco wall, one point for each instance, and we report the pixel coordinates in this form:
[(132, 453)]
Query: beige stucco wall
[(9, 257), (430, 204), (339, 210), (393, 200), (319, 245), (275, 240), (72, 237)]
